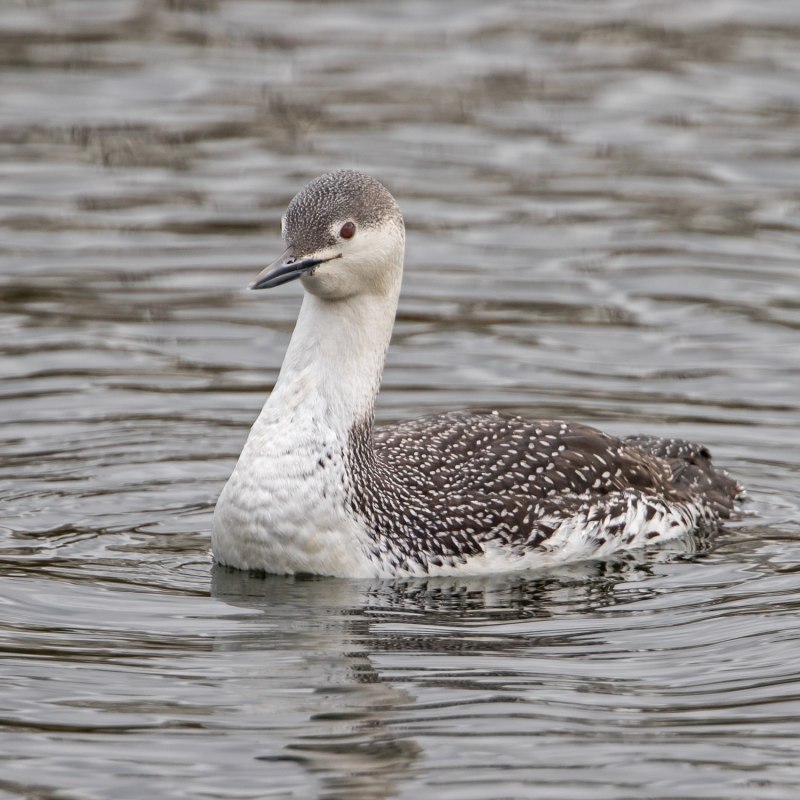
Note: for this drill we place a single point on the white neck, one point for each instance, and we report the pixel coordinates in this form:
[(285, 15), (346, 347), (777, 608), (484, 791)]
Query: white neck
[(332, 369)]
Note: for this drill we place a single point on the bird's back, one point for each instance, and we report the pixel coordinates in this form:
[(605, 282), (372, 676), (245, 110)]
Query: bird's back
[(442, 489)]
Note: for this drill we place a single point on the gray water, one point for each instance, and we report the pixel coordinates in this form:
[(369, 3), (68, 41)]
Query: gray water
[(603, 208)]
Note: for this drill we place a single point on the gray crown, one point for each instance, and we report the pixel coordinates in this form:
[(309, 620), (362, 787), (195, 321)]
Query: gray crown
[(336, 197)]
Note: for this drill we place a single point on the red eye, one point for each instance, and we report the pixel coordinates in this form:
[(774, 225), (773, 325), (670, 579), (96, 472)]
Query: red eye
[(347, 230)]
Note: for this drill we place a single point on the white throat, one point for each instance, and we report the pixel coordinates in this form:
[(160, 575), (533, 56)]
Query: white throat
[(332, 369), (333, 366)]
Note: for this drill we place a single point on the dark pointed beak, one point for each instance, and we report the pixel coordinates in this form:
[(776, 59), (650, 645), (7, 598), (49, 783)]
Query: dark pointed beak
[(284, 269)]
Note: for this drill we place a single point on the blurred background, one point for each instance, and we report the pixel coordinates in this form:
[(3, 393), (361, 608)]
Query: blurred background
[(603, 209)]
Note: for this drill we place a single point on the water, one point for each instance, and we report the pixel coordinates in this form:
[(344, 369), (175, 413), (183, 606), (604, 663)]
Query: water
[(604, 223)]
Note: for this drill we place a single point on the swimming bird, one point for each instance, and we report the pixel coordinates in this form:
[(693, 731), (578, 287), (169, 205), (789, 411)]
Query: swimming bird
[(319, 489)]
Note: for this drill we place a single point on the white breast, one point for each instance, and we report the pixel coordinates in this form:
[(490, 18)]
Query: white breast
[(285, 506)]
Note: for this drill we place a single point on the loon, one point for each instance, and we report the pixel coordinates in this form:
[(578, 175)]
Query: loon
[(318, 489)]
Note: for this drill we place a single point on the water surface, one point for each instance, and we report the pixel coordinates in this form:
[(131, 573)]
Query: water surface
[(604, 224)]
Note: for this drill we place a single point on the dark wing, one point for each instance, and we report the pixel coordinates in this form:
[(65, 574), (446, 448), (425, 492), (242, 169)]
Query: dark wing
[(489, 453), (442, 486)]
